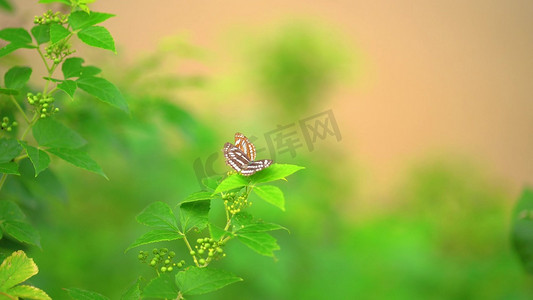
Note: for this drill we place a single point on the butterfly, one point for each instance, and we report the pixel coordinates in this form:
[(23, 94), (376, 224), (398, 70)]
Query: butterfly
[(241, 156)]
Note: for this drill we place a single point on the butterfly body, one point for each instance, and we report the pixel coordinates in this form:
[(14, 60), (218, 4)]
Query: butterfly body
[(241, 156)]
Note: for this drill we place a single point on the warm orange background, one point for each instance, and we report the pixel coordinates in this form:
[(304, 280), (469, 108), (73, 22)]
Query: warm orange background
[(438, 78)]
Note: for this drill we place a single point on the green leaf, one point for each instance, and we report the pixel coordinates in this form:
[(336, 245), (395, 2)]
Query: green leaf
[(198, 281), (154, 236), (158, 215), (90, 71), (261, 242), (50, 133), (79, 294), (41, 33), (15, 269), (17, 77), (9, 149), (58, 32), (78, 158), (275, 172), (12, 47), (97, 36), (15, 35), (69, 87), (133, 293), (23, 232), (103, 90), (81, 19), (9, 168), (72, 67), (161, 287), (198, 196), (9, 92), (232, 182), (271, 194), (211, 182), (522, 229), (216, 232), (39, 158), (5, 5), (194, 214), (245, 222), (67, 2), (28, 292), (9, 211)]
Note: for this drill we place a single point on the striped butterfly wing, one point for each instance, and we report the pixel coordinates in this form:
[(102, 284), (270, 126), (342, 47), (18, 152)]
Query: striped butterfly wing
[(245, 145), (235, 158), (256, 166)]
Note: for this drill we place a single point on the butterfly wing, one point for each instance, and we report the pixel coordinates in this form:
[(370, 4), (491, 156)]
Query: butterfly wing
[(245, 145), (235, 158), (256, 166)]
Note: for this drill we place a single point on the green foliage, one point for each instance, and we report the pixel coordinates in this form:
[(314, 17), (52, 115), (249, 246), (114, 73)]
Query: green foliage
[(194, 214), (14, 224), (103, 90), (24, 152), (39, 158), (17, 77), (79, 294), (522, 229), (81, 19), (50, 133), (198, 281), (9, 149), (16, 269), (97, 36)]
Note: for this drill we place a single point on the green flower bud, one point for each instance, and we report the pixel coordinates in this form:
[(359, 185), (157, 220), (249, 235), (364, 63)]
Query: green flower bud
[(56, 109), (43, 110), (163, 269), (154, 251), (210, 254), (199, 241), (9, 129), (170, 269), (171, 254), (201, 251), (192, 252), (45, 105), (167, 261), (220, 250), (43, 116), (207, 245), (152, 263), (201, 261), (14, 124), (140, 256), (180, 265), (4, 125)]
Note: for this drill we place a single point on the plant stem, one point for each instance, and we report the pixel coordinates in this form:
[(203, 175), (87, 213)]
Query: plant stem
[(44, 59), (20, 109), (30, 125), (190, 249), (2, 180), (21, 157)]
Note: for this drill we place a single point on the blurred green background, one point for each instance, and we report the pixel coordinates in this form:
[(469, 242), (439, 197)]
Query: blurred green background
[(416, 206)]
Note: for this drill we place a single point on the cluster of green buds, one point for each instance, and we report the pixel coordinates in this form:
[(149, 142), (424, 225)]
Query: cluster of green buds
[(58, 51), (161, 260), (6, 125), (43, 104), (208, 250), (50, 17), (235, 202)]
